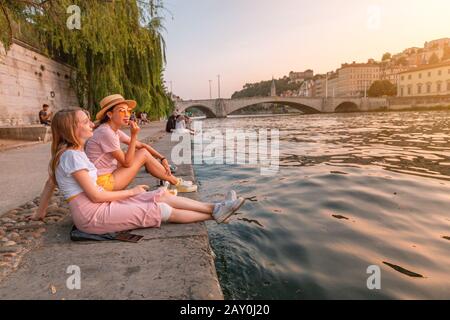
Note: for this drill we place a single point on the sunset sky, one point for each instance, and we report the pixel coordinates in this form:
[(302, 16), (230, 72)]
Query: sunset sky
[(251, 40)]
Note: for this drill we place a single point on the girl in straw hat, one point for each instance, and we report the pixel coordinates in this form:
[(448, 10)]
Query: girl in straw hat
[(116, 168), (98, 211)]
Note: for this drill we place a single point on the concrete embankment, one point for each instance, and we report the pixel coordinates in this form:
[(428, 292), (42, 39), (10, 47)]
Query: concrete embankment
[(173, 262)]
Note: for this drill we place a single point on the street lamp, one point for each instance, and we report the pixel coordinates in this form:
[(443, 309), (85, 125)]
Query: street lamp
[(210, 94), (218, 82), (326, 85), (171, 91)]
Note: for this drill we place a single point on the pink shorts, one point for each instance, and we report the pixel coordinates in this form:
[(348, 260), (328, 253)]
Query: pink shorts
[(141, 211)]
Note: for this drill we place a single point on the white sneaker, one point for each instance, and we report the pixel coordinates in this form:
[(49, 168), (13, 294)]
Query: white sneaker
[(186, 187), (185, 182), (225, 209), (231, 195)]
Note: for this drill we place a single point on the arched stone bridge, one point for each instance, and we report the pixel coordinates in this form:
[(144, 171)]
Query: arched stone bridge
[(220, 108)]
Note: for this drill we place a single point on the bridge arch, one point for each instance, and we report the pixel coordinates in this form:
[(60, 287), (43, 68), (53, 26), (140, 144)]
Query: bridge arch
[(347, 106), (205, 109), (297, 105)]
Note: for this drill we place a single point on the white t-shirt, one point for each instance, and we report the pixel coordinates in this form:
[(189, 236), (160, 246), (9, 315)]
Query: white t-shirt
[(180, 125), (72, 161)]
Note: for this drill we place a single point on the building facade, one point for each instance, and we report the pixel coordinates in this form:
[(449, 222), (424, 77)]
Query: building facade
[(298, 77), (439, 43), (426, 80), (420, 56), (410, 55), (355, 79), (331, 86), (306, 88), (392, 73), (319, 86)]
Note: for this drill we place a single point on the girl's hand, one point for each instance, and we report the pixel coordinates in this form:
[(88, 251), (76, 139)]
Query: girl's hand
[(36, 216), (139, 189), (134, 128)]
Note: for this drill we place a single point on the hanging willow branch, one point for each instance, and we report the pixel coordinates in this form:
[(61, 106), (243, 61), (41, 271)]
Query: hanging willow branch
[(8, 38), (119, 49)]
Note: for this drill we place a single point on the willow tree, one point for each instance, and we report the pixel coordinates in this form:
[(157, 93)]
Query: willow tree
[(119, 47)]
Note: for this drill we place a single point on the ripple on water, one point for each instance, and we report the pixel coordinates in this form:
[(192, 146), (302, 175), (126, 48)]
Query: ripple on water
[(352, 191)]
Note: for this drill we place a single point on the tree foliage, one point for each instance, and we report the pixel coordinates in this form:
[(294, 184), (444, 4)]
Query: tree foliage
[(386, 56), (382, 88), (262, 89), (402, 61), (119, 48)]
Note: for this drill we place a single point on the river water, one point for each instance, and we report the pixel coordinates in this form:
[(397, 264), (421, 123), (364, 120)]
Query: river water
[(353, 191)]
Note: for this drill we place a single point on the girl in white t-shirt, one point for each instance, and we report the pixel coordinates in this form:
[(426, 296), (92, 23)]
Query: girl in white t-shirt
[(180, 125), (97, 211)]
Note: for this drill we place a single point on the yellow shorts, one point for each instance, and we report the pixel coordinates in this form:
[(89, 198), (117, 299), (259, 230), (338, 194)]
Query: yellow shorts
[(106, 181)]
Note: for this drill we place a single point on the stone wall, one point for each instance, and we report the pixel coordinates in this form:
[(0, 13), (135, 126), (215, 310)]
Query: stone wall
[(423, 100), (30, 133), (29, 79)]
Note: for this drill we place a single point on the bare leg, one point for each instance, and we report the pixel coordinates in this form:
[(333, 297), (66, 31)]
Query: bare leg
[(187, 204), (123, 176), (157, 170), (187, 216)]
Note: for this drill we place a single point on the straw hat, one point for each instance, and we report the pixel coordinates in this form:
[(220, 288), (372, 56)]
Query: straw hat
[(113, 100)]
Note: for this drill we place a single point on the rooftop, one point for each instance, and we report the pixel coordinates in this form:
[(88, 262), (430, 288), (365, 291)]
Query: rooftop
[(428, 67)]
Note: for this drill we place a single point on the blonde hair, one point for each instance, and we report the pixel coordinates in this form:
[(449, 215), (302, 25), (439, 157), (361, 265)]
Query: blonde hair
[(64, 124)]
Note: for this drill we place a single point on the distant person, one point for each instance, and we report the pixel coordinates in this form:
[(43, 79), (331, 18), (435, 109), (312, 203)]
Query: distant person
[(144, 119), (188, 122), (45, 115), (171, 122), (180, 122), (180, 125)]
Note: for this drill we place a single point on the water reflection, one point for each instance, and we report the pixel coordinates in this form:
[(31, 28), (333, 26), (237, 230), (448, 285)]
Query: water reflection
[(415, 142), (354, 190)]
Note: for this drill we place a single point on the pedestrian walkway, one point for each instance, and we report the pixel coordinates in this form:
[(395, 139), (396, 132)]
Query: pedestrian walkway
[(173, 262)]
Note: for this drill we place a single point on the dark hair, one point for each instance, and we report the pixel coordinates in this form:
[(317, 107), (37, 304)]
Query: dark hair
[(105, 118), (45, 105)]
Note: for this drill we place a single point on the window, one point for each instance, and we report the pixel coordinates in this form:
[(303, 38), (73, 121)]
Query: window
[(420, 76), (428, 87), (401, 92), (419, 88), (429, 74), (438, 87), (448, 86), (403, 78), (440, 73), (409, 77), (409, 91)]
